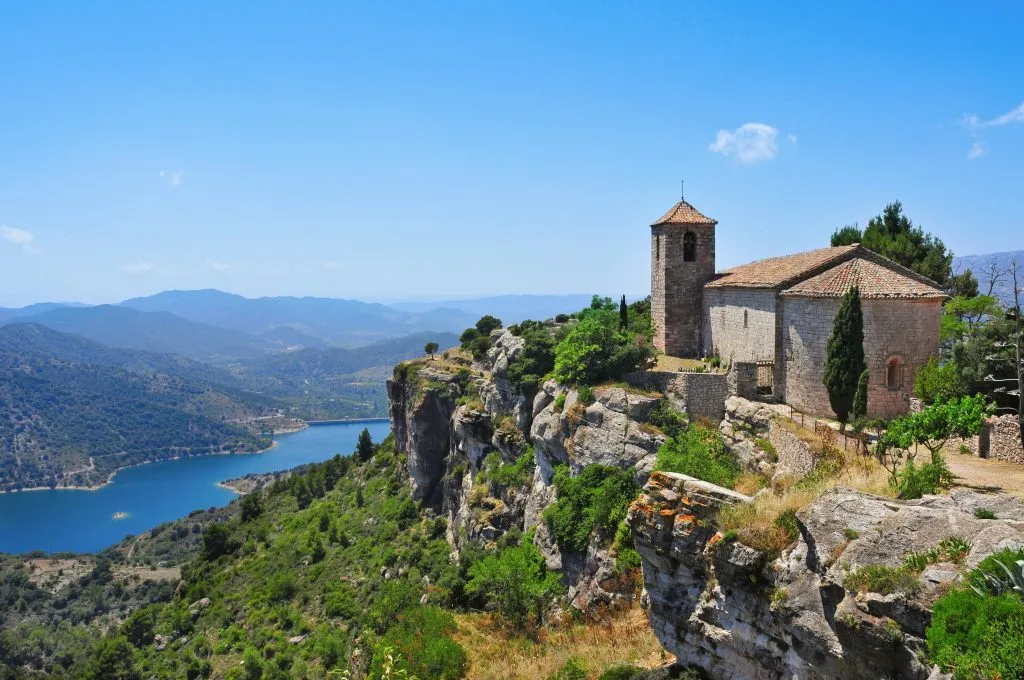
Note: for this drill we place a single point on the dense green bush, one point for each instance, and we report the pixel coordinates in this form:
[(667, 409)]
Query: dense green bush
[(698, 451), (596, 349), (515, 581), (421, 640), (501, 475), (667, 418), (595, 500), (914, 481), (573, 669), (935, 382), (978, 637), (536, 360)]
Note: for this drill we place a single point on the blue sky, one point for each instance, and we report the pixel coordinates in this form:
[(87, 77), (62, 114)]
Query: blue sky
[(408, 150)]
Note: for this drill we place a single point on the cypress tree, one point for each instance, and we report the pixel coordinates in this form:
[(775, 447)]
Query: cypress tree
[(623, 314), (844, 360), (860, 399)]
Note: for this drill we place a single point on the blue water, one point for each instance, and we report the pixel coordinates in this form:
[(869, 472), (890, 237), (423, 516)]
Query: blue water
[(82, 521)]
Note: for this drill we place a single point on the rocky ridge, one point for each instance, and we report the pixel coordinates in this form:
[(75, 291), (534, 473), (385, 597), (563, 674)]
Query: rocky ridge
[(737, 612)]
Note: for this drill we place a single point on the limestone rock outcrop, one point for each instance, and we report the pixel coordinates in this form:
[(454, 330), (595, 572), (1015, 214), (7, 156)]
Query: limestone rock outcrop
[(737, 612)]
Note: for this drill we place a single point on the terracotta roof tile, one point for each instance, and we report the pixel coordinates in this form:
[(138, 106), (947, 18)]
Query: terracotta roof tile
[(684, 213), (874, 280), (775, 272)]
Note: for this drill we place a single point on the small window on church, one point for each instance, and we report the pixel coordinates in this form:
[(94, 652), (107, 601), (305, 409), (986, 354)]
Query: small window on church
[(657, 247), (689, 247), (744, 318), (894, 373)]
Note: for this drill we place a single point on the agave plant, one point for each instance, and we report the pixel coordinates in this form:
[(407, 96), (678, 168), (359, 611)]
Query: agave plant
[(996, 584)]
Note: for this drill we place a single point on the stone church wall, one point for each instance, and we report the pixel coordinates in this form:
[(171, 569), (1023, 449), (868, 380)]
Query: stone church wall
[(739, 323), (908, 329)]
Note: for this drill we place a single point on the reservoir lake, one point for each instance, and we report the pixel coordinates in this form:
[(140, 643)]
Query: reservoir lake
[(148, 495)]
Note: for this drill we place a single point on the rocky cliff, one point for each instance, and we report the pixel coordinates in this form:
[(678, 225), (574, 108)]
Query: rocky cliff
[(737, 612), (450, 417)]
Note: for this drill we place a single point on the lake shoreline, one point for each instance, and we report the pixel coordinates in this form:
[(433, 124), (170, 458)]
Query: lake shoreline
[(284, 431), (110, 478)]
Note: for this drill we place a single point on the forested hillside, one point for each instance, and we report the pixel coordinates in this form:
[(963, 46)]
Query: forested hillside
[(319, 384), (334, 569), (71, 412)]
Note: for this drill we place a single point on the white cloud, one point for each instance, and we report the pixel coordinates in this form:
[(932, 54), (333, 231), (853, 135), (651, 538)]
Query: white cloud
[(173, 179), (19, 237), (139, 267), (1015, 116), (791, 138), (336, 266), (977, 150), (217, 266), (749, 143)]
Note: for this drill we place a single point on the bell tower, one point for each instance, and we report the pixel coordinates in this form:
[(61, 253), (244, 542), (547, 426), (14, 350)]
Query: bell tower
[(682, 261)]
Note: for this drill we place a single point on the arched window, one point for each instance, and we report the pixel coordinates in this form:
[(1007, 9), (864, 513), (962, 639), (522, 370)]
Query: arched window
[(894, 373), (657, 247), (689, 247)]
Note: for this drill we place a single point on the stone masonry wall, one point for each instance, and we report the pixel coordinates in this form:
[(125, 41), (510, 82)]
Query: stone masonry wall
[(905, 328), (676, 286), (702, 395), (739, 323)]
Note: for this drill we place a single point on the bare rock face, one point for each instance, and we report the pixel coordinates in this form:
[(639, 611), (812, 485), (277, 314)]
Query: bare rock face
[(610, 431), (421, 409), (738, 613)]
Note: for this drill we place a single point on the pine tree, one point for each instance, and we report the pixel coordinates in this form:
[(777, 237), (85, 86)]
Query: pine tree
[(844, 361), (623, 314), (364, 449)]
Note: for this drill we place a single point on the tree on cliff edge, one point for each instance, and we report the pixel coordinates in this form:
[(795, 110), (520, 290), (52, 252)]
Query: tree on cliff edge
[(364, 448), (623, 314), (844, 359)]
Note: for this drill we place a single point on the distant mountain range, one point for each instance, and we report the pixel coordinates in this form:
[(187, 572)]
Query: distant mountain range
[(981, 265), (222, 328)]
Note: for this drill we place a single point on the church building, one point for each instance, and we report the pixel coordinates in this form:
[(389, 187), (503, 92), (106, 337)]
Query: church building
[(778, 312)]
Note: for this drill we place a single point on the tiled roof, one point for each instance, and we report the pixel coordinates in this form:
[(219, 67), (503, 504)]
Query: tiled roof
[(874, 280), (777, 271), (684, 213)]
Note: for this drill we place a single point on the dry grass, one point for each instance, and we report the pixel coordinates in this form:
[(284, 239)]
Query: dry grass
[(630, 389), (749, 483), (624, 638), (674, 364), (755, 522)]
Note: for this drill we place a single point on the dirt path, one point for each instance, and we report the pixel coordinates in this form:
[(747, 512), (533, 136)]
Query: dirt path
[(987, 475)]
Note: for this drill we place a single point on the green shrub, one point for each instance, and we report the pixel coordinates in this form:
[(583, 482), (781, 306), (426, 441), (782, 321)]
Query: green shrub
[(915, 481), (950, 549), (879, 578), (978, 637), (595, 500), (667, 418), (502, 475), (515, 581), (572, 670), (535, 360), (984, 513), (699, 452), (767, 447), (586, 395), (623, 672), (595, 349), (788, 523), (560, 402), (422, 645), (851, 534)]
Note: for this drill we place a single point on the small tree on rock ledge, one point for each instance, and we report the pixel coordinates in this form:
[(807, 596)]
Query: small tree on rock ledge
[(844, 359), (430, 348)]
